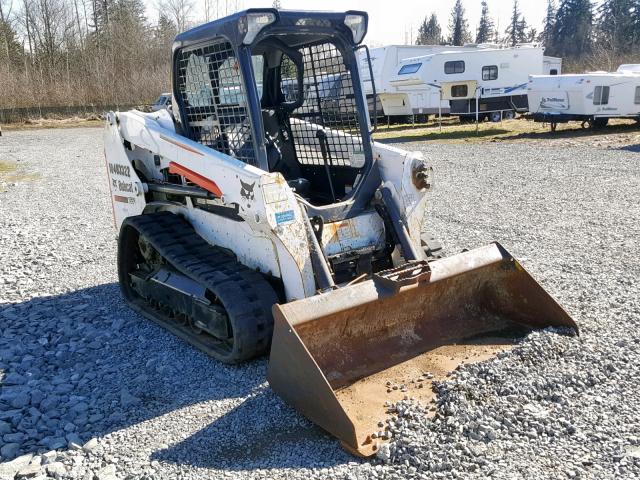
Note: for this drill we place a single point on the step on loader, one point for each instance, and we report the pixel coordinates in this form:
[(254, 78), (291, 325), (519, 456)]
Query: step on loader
[(257, 214)]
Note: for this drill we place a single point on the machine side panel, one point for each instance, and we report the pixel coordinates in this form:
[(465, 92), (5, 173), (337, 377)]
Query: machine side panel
[(127, 196)]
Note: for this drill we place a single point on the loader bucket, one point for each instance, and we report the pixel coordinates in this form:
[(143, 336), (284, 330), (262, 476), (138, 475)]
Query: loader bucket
[(338, 357)]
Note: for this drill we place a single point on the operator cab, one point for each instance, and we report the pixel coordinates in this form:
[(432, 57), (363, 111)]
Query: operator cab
[(280, 90)]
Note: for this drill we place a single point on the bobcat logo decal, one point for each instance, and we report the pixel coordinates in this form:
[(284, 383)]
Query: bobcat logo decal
[(246, 190)]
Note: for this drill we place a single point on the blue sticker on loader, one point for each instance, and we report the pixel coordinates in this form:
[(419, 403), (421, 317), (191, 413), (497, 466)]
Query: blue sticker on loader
[(285, 217)]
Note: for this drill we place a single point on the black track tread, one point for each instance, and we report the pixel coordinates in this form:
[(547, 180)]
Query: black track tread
[(244, 293)]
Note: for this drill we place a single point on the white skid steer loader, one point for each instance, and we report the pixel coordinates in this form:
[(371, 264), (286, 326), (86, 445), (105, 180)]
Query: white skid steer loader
[(260, 214)]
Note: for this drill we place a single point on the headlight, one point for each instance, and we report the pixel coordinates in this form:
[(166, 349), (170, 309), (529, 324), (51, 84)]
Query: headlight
[(251, 24), (357, 23), (421, 174)]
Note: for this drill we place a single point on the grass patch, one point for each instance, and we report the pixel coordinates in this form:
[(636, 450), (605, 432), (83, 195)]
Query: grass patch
[(7, 167), (519, 129), (10, 173), (74, 122)]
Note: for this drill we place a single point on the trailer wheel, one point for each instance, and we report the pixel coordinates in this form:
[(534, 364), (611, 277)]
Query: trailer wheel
[(509, 115), (599, 123), (495, 117)]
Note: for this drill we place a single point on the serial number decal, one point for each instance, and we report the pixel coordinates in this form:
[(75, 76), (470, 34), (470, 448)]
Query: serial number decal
[(273, 193), (117, 169), (285, 217), (123, 199)]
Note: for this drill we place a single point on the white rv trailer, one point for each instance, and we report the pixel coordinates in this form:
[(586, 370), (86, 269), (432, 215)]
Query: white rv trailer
[(494, 76), (551, 65), (384, 65), (592, 98)]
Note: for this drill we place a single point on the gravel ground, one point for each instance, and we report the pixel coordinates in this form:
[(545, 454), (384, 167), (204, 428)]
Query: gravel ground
[(90, 390)]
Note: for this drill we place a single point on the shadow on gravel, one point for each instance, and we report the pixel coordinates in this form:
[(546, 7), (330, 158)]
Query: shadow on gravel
[(274, 437), (631, 148), (80, 365)]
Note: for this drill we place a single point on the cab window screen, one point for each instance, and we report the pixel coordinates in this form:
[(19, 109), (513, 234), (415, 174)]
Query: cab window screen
[(411, 68), (329, 103), (213, 100), (451, 68)]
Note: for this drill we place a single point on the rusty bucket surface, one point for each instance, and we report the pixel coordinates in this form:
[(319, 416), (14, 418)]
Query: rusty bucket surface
[(337, 357)]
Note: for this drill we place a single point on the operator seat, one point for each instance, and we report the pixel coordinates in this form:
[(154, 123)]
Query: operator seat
[(281, 154)]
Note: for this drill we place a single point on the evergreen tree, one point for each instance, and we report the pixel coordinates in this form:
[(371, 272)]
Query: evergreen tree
[(573, 28), (616, 24), (160, 49), (128, 32), (166, 30), (128, 16), (101, 9), (429, 32), (179, 11), (421, 33), (118, 14), (522, 32), (517, 27), (635, 15), (458, 26), (10, 49), (549, 23), (485, 27)]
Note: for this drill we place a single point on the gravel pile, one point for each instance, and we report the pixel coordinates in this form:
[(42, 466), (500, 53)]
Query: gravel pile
[(90, 390), (507, 416)]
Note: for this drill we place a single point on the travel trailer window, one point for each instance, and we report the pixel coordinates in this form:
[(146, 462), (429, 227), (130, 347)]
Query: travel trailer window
[(490, 72), (459, 91), (637, 100), (454, 67), (601, 95), (411, 68)]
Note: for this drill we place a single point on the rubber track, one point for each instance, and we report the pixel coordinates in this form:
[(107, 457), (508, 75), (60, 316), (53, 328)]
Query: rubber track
[(245, 294)]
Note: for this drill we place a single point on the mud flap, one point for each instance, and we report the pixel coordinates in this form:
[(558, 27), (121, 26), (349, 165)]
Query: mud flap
[(332, 355)]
